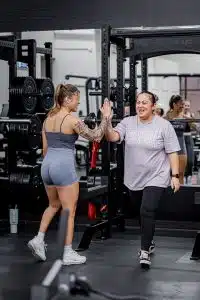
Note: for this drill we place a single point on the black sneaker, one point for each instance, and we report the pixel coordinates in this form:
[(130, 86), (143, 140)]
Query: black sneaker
[(145, 261), (152, 248)]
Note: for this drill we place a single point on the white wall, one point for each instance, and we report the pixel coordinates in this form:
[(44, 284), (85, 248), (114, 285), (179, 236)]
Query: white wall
[(75, 54)]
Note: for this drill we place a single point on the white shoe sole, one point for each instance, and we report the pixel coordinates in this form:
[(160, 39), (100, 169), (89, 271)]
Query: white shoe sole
[(32, 248), (68, 263)]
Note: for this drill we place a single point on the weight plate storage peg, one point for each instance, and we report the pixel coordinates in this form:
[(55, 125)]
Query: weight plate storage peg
[(46, 94), (35, 133), (23, 96), (24, 134)]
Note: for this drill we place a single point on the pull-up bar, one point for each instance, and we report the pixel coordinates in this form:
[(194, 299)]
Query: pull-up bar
[(149, 32)]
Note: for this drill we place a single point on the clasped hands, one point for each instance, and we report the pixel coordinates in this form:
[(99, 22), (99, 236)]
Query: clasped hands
[(106, 109)]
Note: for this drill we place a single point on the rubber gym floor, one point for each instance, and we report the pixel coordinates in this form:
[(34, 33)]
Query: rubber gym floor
[(112, 266)]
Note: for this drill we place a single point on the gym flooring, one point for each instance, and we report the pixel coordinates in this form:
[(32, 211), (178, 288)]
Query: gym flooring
[(112, 266)]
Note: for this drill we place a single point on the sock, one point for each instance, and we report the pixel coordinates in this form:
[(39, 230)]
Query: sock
[(41, 235), (67, 248)]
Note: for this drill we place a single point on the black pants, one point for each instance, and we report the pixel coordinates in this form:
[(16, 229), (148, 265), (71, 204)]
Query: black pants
[(147, 201)]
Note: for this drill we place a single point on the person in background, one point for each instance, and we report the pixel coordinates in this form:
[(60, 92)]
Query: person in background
[(151, 163), (187, 111), (159, 111), (60, 132), (189, 142), (174, 115)]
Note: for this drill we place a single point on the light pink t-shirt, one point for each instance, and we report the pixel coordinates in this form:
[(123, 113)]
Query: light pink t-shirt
[(147, 146)]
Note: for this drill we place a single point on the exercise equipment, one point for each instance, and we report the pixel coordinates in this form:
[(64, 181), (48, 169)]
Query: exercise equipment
[(95, 149), (21, 126), (45, 90), (20, 170), (82, 154), (23, 139), (28, 96), (90, 120), (22, 96), (25, 134), (95, 189)]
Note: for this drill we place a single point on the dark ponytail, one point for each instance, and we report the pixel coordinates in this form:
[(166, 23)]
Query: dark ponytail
[(62, 91), (174, 100)]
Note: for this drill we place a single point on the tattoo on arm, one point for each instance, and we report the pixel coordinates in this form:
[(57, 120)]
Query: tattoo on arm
[(109, 126), (92, 134)]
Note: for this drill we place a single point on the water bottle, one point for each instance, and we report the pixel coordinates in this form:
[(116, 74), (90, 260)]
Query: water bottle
[(14, 216), (198, 180), (189, 180), (194, 179)]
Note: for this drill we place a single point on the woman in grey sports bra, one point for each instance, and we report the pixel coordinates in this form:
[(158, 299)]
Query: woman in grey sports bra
[(60, 132), (175, 113)]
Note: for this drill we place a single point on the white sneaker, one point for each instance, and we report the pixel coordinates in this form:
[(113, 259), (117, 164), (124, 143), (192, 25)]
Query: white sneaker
[(152, 247), (71, 257), (38, 248), (145, 259)]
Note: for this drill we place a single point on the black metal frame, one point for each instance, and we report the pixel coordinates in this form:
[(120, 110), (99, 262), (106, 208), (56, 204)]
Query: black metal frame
[(13, 50), (152, 32), (27, 51), (103, 225), (144, 43), (133, 80), (144, 73)]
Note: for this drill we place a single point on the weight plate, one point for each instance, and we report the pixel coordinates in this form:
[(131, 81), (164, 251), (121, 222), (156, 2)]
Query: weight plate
[(22, 96), (47, 94), (26, 178), (29, 98)]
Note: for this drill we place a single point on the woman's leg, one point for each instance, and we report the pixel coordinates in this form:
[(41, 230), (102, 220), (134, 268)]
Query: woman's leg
[(150, 202), (51, 210), (136, 200), (182, 167), (37, 243), (68, 196)]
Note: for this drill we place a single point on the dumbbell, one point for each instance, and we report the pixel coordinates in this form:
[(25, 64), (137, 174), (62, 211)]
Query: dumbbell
[(91, 120)]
